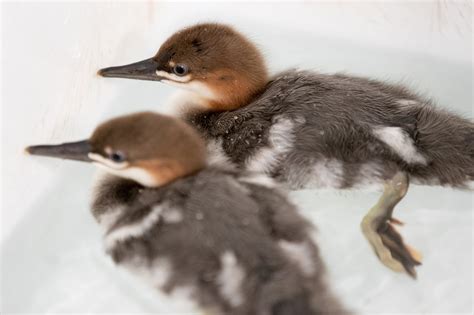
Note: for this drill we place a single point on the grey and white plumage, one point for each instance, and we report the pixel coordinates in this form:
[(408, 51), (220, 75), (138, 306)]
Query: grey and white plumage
[(231, 240), (311, 130)]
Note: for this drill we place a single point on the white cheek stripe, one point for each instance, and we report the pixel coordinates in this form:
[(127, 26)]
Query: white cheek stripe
[(99, 158), (134, 230), (173, 77), (401, 143), (230, 279)]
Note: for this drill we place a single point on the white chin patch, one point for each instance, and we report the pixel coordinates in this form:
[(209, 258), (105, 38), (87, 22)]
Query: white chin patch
[(182, 102), (136, 174)]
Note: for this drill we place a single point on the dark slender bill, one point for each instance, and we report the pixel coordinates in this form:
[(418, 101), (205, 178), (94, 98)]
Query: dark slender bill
[(142, 70), (78, 151)]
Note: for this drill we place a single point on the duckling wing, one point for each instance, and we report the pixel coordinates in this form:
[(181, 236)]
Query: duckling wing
[(341, 131)]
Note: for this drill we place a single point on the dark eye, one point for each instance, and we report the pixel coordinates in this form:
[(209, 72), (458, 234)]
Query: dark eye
[(117, 156), (180, 70)]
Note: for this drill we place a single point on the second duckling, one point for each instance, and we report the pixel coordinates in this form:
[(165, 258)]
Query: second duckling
[(230, 239)]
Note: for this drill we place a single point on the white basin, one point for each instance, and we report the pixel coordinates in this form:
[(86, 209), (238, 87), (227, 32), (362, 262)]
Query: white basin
[(51, 252)]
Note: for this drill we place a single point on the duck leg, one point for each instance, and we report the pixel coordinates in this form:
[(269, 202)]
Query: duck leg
[(378, 228)]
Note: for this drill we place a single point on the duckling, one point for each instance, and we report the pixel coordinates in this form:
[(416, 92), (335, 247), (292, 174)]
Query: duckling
[(313, 130), (228, 239)]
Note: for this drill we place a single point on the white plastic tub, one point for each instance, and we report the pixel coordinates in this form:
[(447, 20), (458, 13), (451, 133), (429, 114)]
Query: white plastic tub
[(51, 252)]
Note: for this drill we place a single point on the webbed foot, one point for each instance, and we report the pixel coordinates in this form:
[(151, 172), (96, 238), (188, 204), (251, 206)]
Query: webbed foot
[(378, 227), (389, 247)]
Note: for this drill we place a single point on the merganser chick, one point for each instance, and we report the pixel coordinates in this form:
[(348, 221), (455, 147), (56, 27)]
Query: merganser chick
[(312, 130), (230, 239)]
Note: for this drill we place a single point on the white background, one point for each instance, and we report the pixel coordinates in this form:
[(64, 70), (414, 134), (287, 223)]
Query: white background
[(50, 93)]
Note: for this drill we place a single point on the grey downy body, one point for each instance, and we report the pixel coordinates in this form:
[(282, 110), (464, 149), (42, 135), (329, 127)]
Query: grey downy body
[(230, 239), (312, 130)]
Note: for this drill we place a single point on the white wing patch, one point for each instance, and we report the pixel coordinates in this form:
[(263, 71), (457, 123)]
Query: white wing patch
[(160, 272), (299, 253), (326, 173), (157, 273), (216, 154), (281, 139), (135, 229), (401, 143), (172, 216), (407, 103), (470, 185), (110, 217), (230, 279), (259, 179)]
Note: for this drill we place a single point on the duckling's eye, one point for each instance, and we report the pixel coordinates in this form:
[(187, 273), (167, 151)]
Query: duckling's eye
[(180, 69), (117, 156)]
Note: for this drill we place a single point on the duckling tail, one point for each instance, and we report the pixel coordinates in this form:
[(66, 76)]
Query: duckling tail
[(447, 141), (286, 293)]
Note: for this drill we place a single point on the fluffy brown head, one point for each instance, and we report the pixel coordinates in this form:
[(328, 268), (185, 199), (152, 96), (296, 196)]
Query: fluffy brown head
[(149, 148), (223, 68), (215, 61)]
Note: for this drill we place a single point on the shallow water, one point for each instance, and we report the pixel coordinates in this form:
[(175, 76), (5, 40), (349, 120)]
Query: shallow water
[(62, 267), (52, 258)]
